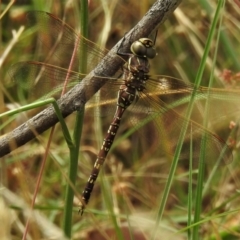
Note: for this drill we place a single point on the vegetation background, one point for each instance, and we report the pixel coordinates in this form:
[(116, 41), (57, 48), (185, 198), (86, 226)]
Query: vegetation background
[(134, 173)]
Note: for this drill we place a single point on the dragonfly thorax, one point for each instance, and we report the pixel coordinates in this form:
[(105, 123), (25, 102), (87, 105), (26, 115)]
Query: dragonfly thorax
[(136, 80), (136, 73), (138, 64)]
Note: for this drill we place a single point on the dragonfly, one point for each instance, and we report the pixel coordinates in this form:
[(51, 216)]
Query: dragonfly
[(132, 92)]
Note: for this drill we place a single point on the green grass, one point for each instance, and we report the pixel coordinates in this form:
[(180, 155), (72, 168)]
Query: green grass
[(129, 192)]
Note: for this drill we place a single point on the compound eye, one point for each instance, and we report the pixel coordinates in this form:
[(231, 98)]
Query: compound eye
[(137, 48), (151, 53), (143, 48)]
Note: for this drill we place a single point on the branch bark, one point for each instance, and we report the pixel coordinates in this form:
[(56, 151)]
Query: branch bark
[(78, 96)]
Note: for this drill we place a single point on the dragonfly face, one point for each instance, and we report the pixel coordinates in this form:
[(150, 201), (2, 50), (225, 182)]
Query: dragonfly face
[(144, 47)]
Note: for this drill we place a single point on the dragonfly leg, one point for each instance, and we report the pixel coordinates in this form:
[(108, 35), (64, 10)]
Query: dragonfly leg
[(120, 47)]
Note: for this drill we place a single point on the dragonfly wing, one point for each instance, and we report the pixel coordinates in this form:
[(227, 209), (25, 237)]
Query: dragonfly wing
[(64, 45), (37, 80), (156, 110)]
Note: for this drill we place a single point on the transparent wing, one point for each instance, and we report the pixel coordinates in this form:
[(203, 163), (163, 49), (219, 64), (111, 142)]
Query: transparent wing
[(63, 43), (159, 108)]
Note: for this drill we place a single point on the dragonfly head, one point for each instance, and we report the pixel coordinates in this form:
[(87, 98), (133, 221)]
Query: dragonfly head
[(144, 47)]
